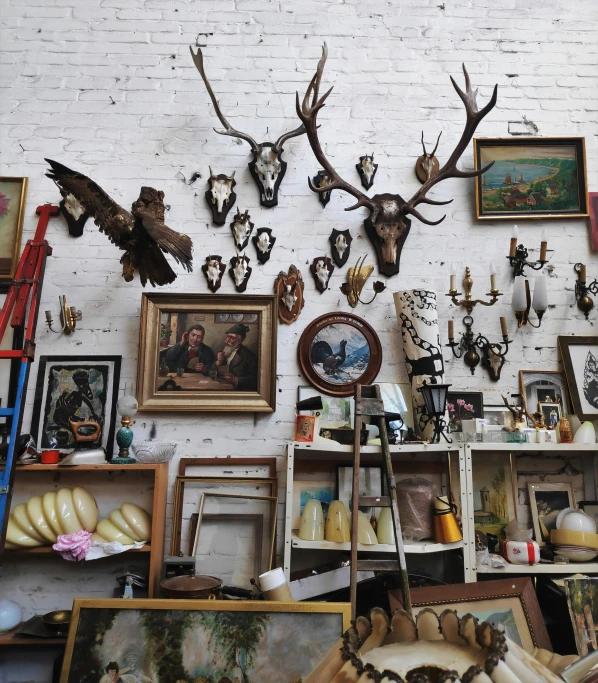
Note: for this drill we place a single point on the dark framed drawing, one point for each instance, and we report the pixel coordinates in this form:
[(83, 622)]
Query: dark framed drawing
[(199, 640), (213, 352), (337, 351), (509, 602), (463, 405), (13, 194), (593, 199), (75, 402), (580, 360), (531, 178)]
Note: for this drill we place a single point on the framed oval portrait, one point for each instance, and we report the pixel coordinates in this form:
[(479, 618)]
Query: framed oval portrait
[(337, 351)]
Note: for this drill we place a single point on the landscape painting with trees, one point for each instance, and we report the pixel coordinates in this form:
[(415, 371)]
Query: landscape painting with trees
[(531, 180), (493, 494), (221, 643)]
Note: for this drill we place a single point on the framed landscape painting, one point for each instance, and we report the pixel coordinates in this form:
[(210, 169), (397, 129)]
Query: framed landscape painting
[(531, 178), (13, 192), (199, 640), (207, 352)]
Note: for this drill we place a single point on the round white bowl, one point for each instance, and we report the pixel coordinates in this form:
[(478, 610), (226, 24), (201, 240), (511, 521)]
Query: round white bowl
[(578, 555), (570, 519), (153, 452), (10, 615)]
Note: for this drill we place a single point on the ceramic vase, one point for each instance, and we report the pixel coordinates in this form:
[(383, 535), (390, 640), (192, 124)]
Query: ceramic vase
[(385, 532), (312, 521), (585, 434), (338, 529), (365, 532), (417, 315)]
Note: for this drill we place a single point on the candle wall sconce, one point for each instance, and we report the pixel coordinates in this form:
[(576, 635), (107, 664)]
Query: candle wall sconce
[(69, 317), (468, 303), (522, 301), (357, 276), (585, 303), (518, 254), (492, 353)]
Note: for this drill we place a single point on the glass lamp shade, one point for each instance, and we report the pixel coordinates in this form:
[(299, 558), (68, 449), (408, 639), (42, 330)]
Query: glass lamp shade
[(434, 396), (540, 300), (519, 300), (127, 406)]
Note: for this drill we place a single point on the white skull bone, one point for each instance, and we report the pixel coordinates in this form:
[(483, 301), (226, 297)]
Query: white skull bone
[(221, 189), (341, 245), (322, 273), (240, 270), (289, 298), (263, 242), (367, 166), (267, 167), (213, 271)]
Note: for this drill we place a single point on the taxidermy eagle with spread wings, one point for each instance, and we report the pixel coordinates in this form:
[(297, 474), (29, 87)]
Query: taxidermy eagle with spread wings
[(141, 233)]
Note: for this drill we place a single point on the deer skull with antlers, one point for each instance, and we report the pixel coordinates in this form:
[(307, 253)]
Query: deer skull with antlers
[(267, 166), (388, 224), (427, 165)]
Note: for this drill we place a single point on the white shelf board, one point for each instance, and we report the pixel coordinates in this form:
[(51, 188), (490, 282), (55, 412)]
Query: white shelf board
[(332, 446), (572, 568), (534, 447), (410, 547)]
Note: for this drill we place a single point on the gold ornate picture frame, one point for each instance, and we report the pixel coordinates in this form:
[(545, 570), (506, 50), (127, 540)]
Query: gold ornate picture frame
[(207, 352), (13, 194)]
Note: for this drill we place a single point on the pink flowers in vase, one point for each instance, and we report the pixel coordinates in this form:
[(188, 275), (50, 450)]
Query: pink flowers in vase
[(459, 412), (4, 202)]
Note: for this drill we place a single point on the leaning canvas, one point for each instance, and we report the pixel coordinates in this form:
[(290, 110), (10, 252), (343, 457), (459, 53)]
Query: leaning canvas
[(207, 641)]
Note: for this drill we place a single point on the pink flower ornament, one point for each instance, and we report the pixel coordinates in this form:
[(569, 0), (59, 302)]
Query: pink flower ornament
[(73, 547)]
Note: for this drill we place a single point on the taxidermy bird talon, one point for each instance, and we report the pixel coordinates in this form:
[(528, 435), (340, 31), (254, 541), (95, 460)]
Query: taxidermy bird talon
[(141, 233)]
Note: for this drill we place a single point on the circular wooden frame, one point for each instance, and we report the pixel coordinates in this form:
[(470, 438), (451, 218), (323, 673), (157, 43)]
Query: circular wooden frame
[(303, 353)]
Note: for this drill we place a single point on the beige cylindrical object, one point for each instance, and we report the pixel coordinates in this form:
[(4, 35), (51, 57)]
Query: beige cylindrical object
[(338, 529), (385, 532), (513, 247), (274, 586), (503, 327), (312, 521), (582, 272), (451, 330), (365, 532), (543, 250), (493, 287)]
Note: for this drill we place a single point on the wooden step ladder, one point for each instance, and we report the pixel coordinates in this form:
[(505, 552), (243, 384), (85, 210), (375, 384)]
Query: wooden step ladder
[(368, 403)]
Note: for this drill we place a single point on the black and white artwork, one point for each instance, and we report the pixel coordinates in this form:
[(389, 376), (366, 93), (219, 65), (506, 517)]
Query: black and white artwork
[(75, 402), (417, 314), (580, 360)]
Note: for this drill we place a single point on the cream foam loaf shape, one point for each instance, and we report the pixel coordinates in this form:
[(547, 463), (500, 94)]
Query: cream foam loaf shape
[(138, 519), (118, 520), (20, 518), (108, 531), (86, 508), (35, 513), (49, 508), (18, 538)]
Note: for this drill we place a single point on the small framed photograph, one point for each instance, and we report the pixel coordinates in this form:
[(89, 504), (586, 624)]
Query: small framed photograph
[(370, 483), (544, 386), (498, 418), (305, 427), (531, 178), (580, 360), (463, 405), (551, 413), (546, 500), (13, 193)]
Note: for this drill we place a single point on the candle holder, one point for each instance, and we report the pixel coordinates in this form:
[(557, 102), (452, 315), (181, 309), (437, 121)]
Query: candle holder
[(585, 303), (518, 254), (468, 303), (492, 353), (522, 300)]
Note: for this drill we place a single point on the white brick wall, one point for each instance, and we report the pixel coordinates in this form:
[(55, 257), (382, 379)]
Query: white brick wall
[(109, 89)]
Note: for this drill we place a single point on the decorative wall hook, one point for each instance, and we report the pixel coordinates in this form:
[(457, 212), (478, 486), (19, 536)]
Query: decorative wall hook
[(220, 195), (241, 228), (522, 300), (367, 170), (289, 294), (322, 179), (518, 254), (321, 268), (468, 303), (340, 240), (240, 272), (585, 303), (357, 276), (427, 165), (214, 269), (493, 354), (263, 242), (69, 317)]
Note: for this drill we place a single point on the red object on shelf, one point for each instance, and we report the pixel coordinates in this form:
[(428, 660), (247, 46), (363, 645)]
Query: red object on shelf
[(50, 457)]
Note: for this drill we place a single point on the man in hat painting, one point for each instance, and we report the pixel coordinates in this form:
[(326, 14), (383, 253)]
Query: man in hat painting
[(236, 363)]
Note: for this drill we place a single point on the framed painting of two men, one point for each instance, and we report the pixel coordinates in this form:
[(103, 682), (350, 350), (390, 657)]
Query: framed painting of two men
[(207, 352)]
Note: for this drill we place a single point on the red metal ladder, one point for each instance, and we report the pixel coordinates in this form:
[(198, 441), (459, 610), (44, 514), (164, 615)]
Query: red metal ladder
[(21, 308)]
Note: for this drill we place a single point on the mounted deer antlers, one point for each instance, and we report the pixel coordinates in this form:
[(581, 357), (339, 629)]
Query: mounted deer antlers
[(387, 226), (267, 166), (427, 165)]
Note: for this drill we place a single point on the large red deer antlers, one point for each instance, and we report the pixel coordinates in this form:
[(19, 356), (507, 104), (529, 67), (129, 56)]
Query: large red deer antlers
[(387, 226), (267, 166)]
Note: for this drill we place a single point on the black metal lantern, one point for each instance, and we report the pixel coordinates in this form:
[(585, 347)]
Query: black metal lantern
[(434, 396)]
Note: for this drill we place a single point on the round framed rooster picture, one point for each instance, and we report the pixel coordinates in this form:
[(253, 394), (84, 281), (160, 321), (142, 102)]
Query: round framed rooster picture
[(337, 351)]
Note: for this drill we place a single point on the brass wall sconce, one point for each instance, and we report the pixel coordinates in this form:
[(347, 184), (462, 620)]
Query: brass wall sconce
[(585, 303), (69, 317), (357, 276), (522, 301), (468, 303), (518, 254), (492, 353)]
